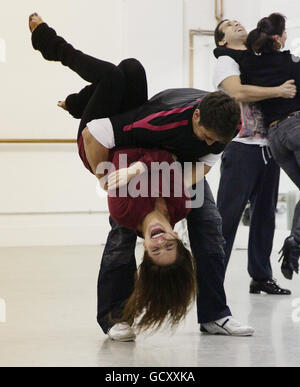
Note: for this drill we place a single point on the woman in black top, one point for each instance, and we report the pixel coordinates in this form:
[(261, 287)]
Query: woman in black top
[(264, 64)]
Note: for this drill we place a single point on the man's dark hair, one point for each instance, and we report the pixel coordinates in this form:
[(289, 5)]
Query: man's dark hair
[(219, 35), (221, 114)]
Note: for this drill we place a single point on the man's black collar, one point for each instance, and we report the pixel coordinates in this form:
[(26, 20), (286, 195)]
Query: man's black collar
[(224, 51)]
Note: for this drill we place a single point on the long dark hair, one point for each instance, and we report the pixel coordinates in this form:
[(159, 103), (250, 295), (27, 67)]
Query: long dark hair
[(162, 293), (260, 40)]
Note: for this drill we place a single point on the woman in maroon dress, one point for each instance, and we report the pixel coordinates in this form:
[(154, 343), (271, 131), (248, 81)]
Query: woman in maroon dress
[(166, 283)]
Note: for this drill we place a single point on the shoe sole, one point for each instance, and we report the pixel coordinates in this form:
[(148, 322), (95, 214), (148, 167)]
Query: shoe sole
[(227, 334), (270, 294), (125, 340), (205, 332)]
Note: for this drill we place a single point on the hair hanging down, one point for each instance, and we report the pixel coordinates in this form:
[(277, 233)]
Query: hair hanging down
[(260, 40), (162, 293), (220, 113)]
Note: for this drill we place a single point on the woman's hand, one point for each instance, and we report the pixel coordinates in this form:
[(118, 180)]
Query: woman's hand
[(123, 176)]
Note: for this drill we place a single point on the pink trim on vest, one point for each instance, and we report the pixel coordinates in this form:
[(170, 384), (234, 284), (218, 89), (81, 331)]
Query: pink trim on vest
[(144, 123)]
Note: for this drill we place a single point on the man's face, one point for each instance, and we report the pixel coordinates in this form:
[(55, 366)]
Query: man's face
[(234, 33), (204, 134)]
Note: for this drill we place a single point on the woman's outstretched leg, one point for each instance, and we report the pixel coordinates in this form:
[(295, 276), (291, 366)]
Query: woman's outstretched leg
[(91, 69), (123, 89), (135, 90), (107, 100), (55, 48), (76, 103), (136, 87)]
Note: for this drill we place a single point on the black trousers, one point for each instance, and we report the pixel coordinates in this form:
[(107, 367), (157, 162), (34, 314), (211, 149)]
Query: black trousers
[(248, 173), (115, 89)]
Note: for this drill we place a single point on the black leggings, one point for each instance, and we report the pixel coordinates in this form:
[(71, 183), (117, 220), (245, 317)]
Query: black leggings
[(113, 89)]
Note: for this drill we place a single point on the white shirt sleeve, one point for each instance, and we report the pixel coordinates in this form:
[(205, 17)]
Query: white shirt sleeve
[(210, 159), (225, 67)]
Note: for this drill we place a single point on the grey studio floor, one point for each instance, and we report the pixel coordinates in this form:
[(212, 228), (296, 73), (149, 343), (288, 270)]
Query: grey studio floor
[(50, 295)]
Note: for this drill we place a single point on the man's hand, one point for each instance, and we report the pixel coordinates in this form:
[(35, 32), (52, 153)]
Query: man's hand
[(123, 176), (288, 89)]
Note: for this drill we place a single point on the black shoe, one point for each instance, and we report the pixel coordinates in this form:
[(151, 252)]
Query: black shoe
[(269, 287), (290, 254)]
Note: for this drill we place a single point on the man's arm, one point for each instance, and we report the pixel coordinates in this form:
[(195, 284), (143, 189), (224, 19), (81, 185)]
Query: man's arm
[(248, 93), (198, 171)]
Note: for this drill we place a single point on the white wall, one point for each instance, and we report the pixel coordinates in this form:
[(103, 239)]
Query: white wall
[(153, 33), (46, 196)]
